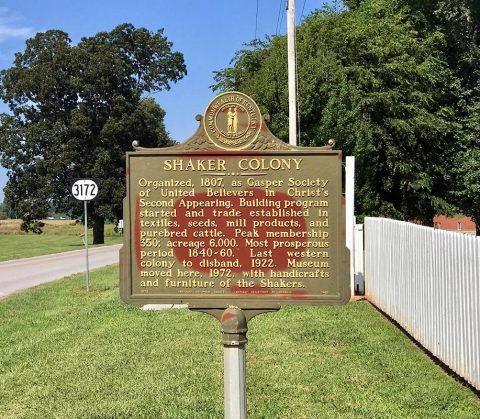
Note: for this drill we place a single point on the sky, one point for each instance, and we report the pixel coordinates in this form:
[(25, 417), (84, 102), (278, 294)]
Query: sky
[(207, 32)]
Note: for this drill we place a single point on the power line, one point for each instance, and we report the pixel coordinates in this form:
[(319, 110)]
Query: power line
[(256, 22), (281, 18), (278, 17), (303, 8)]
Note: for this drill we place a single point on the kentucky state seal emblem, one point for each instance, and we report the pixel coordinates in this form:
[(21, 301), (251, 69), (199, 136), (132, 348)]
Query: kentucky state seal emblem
[(232, 121)]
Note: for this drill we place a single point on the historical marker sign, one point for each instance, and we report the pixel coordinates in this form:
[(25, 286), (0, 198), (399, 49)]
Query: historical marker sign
[(234, 216)]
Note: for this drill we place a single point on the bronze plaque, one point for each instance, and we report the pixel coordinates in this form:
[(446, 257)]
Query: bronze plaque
[(234, 217), (232, 121)]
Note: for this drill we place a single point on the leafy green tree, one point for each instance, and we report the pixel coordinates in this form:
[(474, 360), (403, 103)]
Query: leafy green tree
[(3, 213), (75, 110), (6, 210), (467, 167), (369, 78), (459, 21), (353, 4)]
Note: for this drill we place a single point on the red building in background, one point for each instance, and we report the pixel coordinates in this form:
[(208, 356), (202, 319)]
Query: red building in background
[(463, 225)]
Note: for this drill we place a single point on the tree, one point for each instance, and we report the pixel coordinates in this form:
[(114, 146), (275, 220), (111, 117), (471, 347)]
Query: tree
[(369, 78), (467, 167), (5, 209), (3, 212), (459, 20), (75, 110)]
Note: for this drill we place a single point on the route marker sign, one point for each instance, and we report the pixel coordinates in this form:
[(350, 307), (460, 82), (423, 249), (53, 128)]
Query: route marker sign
[(85, 190)]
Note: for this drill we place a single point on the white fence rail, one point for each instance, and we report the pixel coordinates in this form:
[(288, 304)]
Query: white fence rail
[(428, 281)]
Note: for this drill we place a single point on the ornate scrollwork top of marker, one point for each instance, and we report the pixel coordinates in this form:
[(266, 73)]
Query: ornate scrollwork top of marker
[(232, 121)]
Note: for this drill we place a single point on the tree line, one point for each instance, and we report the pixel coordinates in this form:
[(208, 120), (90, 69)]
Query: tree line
[(397, 84)]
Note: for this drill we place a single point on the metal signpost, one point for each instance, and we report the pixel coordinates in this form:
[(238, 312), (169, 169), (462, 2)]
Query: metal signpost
[(234, 223), (85, 190)]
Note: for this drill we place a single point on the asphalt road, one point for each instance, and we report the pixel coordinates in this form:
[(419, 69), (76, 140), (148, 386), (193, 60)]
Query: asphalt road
[(16, 275)]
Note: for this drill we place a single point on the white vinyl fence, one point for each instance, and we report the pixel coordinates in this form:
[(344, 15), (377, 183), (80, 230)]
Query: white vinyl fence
[(428, 281), (359, 280)]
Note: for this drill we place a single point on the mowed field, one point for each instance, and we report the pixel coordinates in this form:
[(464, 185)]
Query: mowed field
[(57, 236), (68, 353)]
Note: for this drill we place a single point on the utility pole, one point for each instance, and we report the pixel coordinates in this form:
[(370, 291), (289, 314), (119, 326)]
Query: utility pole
[(292, 91)]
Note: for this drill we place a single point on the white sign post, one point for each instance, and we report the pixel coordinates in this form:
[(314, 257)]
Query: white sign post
[(350, 218), (85, 190)]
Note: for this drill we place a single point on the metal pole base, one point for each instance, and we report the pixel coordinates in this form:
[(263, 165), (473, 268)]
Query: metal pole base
[(234, 338), (233, 321), (235, 382)]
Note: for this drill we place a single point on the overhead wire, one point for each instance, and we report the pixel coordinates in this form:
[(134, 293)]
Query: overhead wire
[(303, 8), (280, 16), (256, 22), (285, 7)]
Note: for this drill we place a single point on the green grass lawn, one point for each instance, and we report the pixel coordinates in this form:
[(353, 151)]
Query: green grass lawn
[(14, 246), (58, 236), (66, 353)]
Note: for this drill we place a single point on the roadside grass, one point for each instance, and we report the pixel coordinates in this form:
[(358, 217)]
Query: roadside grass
[(66, 353), (57, 236)]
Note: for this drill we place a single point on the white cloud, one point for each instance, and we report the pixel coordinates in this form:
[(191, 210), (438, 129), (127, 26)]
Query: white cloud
[(8, 27), (7, 32)]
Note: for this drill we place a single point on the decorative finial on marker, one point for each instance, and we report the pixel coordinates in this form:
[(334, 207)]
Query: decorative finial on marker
[(331, 142), (135, 144)]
